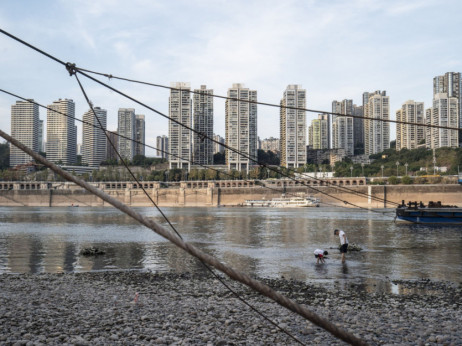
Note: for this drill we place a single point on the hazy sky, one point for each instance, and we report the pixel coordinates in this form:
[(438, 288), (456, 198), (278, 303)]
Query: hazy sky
[(335, 49)]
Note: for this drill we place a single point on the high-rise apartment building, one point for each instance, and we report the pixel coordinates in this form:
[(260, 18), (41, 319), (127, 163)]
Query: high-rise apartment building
[(293, 127), (317, 132), (162, 146), (271, 144), (94, 140), (376, 133), (444, 112), (24, 128), (358, 123), (180, 137), (410, 136), (203, 125), (358, 129), (40, 136), (127, 133), (218, 148), (112, 143), (451, 84), (140, 134), (241, 127), (62, 132), (342, 126)]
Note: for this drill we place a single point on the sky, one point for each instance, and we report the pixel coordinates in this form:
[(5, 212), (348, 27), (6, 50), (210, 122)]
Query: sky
[(334, 49)]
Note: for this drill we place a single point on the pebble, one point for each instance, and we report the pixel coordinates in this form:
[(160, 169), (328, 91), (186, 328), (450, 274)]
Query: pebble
[(192, 309)]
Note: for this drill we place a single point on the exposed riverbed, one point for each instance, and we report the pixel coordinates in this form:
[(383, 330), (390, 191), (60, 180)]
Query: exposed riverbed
[(110, 308)]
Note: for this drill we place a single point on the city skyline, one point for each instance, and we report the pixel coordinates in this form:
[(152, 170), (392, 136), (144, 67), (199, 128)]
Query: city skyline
[(450, 81), (233, 43)]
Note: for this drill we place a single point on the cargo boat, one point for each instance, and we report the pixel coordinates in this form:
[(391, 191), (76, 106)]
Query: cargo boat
[(433, 213)]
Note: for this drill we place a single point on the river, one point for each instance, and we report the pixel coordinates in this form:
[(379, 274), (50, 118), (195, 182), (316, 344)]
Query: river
[(264, 242)]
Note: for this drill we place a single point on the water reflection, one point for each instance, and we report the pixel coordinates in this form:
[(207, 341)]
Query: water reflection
[(261, 242)]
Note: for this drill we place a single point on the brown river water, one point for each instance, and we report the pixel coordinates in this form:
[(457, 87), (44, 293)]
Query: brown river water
[(263, 242)]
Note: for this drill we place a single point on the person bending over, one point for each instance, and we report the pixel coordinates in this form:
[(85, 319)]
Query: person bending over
[(320, 255)]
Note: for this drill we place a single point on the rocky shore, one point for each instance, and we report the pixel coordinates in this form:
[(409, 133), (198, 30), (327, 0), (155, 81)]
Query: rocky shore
[(137, 308)]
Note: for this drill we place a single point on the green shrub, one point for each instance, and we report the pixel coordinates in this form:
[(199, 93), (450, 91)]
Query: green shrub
[(407, 180), (393, 180)]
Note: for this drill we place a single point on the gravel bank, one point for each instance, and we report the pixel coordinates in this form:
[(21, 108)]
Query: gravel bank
[(104, 309)]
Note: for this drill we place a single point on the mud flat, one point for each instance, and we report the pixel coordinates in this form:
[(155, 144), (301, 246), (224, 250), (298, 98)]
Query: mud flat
[(137, 308)]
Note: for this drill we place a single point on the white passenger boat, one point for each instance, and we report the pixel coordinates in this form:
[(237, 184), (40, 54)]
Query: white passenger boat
[(284, 202)]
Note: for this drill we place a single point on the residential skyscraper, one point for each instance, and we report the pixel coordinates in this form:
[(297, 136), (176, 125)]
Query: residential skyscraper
[(140, 134), (358, 129), (203, 124), (62, 132), (111, 148), (24, 128), (293, 127), (94, 140), (376, 133), (451, 84), (127, 133), (409, 136), (241, 127), (217, 148), (359, 123), (271, 144), (444, 112), (162, 146), (317, 132), (342, 126), (180, 137), (40, 136)]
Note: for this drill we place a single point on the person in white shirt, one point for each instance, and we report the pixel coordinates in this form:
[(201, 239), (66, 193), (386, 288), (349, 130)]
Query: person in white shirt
[(343, 243), (319, 254)]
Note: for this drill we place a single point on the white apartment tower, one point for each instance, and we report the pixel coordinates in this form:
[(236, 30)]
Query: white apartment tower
[(203, 125), (241, 127), (218, 147), (94, 140), (61, 132), (451, 84), (24, 128), (317, 132), (376, 133), (293, 127), (445, 112), (343, 127), (162, 146), (180, 137), (140, 134), (127, 132), (409, 136)]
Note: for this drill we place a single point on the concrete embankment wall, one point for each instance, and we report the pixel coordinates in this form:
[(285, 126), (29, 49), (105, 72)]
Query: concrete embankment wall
[(365, 196)]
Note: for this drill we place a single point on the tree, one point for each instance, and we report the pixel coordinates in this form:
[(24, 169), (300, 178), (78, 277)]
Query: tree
[(268, 157), (219, 158), (110, 162), (4, 156), (255, 173), (139, 160), (211, 174)]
